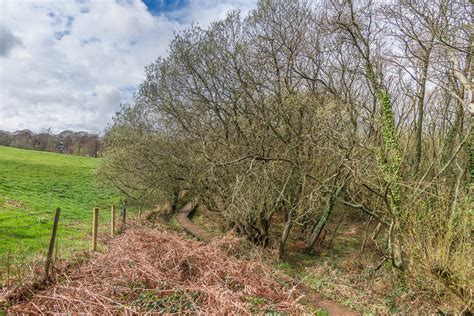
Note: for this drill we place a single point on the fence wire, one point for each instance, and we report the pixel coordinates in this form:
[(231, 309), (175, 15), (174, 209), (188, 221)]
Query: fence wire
[(34, 228), (25, 215)]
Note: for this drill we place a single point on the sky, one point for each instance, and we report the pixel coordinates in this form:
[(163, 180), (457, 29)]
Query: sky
[(69, 64)]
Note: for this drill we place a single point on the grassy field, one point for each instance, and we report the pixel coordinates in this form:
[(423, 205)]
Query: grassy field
[(37, 183)]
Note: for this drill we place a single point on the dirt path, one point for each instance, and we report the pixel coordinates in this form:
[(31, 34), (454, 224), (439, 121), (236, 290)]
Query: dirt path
[(197, 231), (310, 295)]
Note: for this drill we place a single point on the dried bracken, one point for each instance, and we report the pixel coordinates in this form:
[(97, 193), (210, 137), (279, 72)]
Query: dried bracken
[(154, 270)]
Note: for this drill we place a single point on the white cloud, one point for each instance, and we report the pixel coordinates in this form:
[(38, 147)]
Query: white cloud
[(68, 64), (8, 41)]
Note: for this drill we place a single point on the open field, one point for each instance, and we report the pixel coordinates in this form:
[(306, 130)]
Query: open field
[(37, 183)]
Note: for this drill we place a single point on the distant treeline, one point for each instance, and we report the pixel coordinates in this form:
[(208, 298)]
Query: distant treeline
[(67, 142)]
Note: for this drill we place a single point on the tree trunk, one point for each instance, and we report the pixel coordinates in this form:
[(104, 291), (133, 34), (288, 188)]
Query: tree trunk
[(471, 162), (264, 227), (303, 228), (454, 133), (175, 200), (390, 160), (318, 227), (285, 235), (394, 244), (419, 123)]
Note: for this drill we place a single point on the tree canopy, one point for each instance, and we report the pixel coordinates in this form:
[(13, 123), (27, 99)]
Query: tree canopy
[(302, 107)]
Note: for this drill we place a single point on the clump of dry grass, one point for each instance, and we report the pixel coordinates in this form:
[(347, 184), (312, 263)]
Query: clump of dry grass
[(351, 281), (439, 245), (26, 275), (154, 270), (362, 284)]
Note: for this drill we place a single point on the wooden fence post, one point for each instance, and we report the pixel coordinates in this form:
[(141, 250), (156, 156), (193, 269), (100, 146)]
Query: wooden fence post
[(95, 226), (8, 270), (49, 259), (112, 220)]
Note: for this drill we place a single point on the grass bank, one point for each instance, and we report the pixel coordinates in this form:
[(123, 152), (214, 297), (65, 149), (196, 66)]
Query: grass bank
[(32, 185)]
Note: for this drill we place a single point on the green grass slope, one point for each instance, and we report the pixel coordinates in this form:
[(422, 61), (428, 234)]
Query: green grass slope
[(37, 183)]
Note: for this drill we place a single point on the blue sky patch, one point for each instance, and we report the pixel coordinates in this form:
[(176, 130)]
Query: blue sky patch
[(88, 63), (162, 6)]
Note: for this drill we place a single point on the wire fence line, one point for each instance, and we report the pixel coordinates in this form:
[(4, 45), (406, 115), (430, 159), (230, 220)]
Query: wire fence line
[(21, 227), (25, 215), (28, 240)]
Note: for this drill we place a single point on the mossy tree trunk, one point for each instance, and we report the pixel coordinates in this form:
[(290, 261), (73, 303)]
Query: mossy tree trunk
[(389, 154), (390, 160), (328, 208)]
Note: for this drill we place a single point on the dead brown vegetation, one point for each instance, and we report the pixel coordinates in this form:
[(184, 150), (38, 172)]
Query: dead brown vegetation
[(154, 270)]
